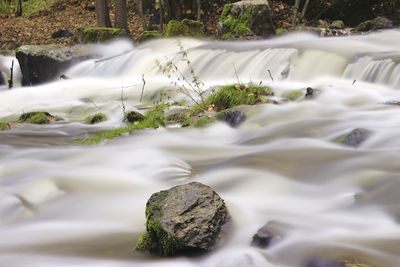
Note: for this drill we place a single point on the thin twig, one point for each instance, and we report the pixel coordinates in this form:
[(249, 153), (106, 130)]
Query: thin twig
[(122, 101), (144, 84), (270, 75), (236, 74)]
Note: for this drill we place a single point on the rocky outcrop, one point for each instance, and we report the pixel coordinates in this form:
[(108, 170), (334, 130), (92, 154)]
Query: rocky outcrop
[(246, 18), (98, 35), (44, 63), (378, 23), (185, 217), (186, 27)]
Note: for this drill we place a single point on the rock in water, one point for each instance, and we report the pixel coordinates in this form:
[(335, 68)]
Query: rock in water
[(185, 217), (44, 63), (355, 137)]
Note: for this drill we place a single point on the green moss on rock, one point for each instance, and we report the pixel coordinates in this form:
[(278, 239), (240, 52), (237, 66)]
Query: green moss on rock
[(149, 35), (184, 217), (96, 118), (230, 96), (186, 27), (4, 126), (246, 18), (95, 35), (37, 117)]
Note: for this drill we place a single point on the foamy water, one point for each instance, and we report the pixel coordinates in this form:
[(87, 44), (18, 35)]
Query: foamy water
[(69, 205)]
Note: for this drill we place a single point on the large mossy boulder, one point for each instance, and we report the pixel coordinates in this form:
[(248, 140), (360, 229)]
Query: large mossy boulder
[(184, 218), (44, 63), (186, 27), (149, 35), (97, 35), (246, 18)]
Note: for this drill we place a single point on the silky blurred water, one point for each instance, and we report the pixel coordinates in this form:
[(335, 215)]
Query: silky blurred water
[(66, 204)]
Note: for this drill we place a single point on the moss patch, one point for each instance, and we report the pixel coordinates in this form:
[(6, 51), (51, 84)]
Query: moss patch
[(96, 118), (95, 35), (154, 118), (38, 117), (186, 27)]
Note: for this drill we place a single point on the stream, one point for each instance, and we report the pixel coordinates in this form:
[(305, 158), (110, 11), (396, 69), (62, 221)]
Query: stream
[(64, 204)]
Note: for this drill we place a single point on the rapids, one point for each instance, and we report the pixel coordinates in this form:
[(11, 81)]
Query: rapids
[(64, 204)]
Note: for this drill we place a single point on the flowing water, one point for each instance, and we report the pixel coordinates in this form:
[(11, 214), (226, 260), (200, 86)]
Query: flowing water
[(63, 204)]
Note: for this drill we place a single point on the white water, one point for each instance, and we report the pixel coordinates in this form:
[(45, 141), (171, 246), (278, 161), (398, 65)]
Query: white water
[(68, 205)]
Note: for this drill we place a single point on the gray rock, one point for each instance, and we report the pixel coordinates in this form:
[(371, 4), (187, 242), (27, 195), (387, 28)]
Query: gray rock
[(325, 263), (185, 217), (61, 34), (44, 63), (355, 137)]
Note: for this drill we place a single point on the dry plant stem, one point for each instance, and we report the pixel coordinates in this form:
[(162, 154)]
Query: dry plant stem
[(270, 75), (144, 84)]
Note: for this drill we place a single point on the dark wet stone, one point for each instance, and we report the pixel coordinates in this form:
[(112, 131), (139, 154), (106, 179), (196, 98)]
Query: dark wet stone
[(265, 236), (61, 34), (133, 116), (233, 117)]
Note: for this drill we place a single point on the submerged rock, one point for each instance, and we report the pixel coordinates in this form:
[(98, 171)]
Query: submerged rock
[(355, 137), (185, 217), (266, 235), (338, 263), (246, 18), (44, 63), (38, 117)]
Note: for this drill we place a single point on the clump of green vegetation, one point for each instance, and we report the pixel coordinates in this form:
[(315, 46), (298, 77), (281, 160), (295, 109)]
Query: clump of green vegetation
[(29, 8), (4, 126), (149, 35), (94, 35), (230, 96), (95, 118), (185, 27), (154, 118), (293, 95), (204, 121), (38, 117)]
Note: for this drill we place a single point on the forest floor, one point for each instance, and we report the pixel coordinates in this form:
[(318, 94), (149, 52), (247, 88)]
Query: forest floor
[(37, 27)]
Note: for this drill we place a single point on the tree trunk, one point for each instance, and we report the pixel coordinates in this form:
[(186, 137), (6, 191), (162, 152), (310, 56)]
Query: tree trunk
[(198, 10), (121, 14), (295, 12), (102, 14), (303, 13), (19, 9)]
